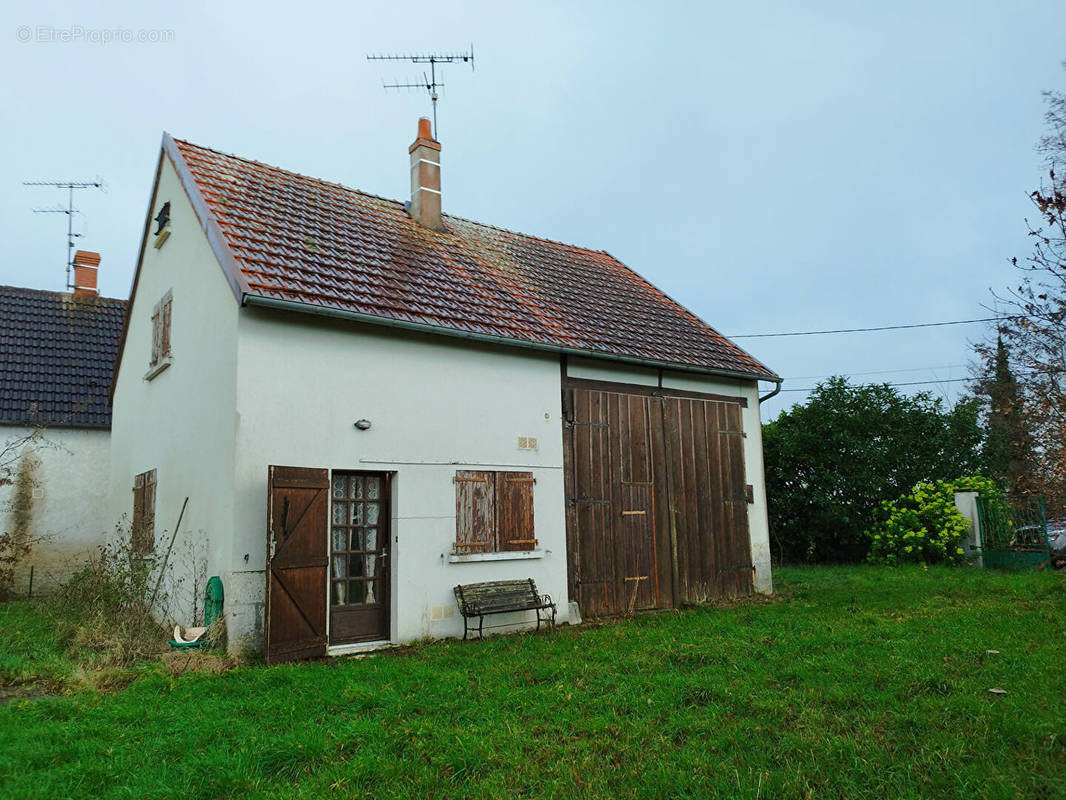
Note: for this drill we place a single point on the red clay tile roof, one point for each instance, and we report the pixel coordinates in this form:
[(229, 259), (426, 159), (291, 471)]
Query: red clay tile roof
[(305, 240), (57, 355)]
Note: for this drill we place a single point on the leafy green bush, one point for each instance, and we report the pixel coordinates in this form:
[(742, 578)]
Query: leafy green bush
[(831, 462), (924, 526)]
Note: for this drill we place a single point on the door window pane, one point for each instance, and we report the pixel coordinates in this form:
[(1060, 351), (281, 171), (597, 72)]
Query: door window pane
[(356, 592), (371, 539), (338, 567), (357, 539), (355, 487), (340, 514), (340, 593), (357, 513), (370, 589), (373, 488), (340, 539), (339, 486), (355, 564), (372, 511)]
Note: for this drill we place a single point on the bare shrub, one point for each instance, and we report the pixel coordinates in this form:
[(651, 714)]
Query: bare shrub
[(107, 607)]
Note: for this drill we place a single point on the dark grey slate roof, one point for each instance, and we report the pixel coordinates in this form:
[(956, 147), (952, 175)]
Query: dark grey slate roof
[(57, 354)]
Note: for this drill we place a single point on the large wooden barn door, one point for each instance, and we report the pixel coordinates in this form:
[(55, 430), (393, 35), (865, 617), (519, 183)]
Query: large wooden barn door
[(705, 441), (616, 562), (657, 503), (297, 563)]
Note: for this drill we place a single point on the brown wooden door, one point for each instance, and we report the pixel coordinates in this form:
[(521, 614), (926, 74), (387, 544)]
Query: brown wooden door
[(657, 505), (297, 563), (616, 561), (705, 446), (359, 548)]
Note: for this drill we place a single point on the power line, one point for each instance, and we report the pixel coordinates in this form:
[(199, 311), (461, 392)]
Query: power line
[(875, 372), (908, 383), (880, 328), (946, 380)]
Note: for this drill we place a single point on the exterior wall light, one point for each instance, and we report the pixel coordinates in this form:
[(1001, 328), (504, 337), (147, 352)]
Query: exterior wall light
[(363, 424)]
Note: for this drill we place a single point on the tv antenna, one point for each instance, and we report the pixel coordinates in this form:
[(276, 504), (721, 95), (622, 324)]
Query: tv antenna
[(428, 82), (70, 211)]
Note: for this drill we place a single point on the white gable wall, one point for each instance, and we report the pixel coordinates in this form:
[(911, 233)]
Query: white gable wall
[(181, 422), (436, 405)]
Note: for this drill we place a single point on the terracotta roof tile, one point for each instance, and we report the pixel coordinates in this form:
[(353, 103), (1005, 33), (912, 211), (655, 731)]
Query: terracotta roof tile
[(300, 239)]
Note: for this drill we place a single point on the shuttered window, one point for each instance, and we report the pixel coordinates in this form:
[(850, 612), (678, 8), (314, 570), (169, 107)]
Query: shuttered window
[(161, 331), (493, 511), (143, 529)]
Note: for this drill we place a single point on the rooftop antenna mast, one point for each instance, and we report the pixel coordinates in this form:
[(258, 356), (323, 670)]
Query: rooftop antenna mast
[(70, 211), (428, 82)]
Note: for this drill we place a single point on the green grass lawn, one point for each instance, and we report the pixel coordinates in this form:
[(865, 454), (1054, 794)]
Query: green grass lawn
[(854, 682)]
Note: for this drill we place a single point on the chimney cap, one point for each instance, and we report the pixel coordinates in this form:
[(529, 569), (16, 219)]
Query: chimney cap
[(425, 136), (86, 258), (425, 128)]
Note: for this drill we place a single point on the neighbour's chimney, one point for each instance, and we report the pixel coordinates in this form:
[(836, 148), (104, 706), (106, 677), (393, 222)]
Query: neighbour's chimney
[(425, 178), (85, 265)]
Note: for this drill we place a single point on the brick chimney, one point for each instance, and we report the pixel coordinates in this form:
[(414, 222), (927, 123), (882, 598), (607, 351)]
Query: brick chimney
[(425, 178), (86, 263)]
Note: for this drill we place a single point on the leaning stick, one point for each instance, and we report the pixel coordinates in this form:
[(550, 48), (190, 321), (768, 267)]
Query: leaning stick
[(166, 558)]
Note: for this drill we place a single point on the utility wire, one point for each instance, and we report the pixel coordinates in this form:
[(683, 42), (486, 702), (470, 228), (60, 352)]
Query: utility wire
[(908, 383), (947, 380), (880, 328), (875, 372)]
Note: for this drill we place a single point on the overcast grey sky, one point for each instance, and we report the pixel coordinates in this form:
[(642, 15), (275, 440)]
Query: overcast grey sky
[(774, 166)]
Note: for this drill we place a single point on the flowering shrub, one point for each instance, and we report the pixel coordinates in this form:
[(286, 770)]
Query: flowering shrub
[(925, 527)]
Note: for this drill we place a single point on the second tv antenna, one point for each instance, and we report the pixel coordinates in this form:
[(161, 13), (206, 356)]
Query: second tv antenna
[(428, 82), (70, 211)]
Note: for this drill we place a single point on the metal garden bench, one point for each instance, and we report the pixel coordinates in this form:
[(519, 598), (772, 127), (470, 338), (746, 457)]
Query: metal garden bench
[(499, 597)]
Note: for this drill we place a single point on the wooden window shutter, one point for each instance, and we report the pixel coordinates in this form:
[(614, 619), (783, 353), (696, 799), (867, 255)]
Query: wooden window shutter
[(164, 334), (157, 339), (514, 511), (475, 512), (142, 534), (149, 511)]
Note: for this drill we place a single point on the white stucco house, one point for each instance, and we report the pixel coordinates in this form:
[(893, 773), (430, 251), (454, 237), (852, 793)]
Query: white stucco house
[(369, 402), (57, 353)]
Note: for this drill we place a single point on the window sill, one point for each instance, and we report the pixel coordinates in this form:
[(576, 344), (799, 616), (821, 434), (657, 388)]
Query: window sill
[(514, 555), (162, 365)]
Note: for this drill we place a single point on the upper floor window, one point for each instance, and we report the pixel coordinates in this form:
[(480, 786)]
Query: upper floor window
[(161, 331)]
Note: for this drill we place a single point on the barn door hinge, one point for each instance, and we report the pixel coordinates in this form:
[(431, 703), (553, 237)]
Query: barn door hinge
[(733, 433), (593, 501), (572, 422)]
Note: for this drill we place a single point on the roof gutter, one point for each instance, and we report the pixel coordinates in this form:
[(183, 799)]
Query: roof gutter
[(774, 393), (421, 327)]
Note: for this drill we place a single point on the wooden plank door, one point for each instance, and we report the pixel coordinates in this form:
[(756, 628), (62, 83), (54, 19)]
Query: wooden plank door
[(592, 566), (297, 563), (359, 547), (740, 577), (705, 451)]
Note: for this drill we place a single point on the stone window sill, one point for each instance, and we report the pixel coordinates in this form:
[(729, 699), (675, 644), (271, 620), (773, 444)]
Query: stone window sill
[(516, 555), (162, 365)]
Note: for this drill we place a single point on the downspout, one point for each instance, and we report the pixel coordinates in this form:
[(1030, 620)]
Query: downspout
[(772, 394)]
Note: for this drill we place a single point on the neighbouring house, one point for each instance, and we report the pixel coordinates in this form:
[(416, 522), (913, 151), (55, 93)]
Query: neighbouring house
[(368, 402), (57, 354)]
